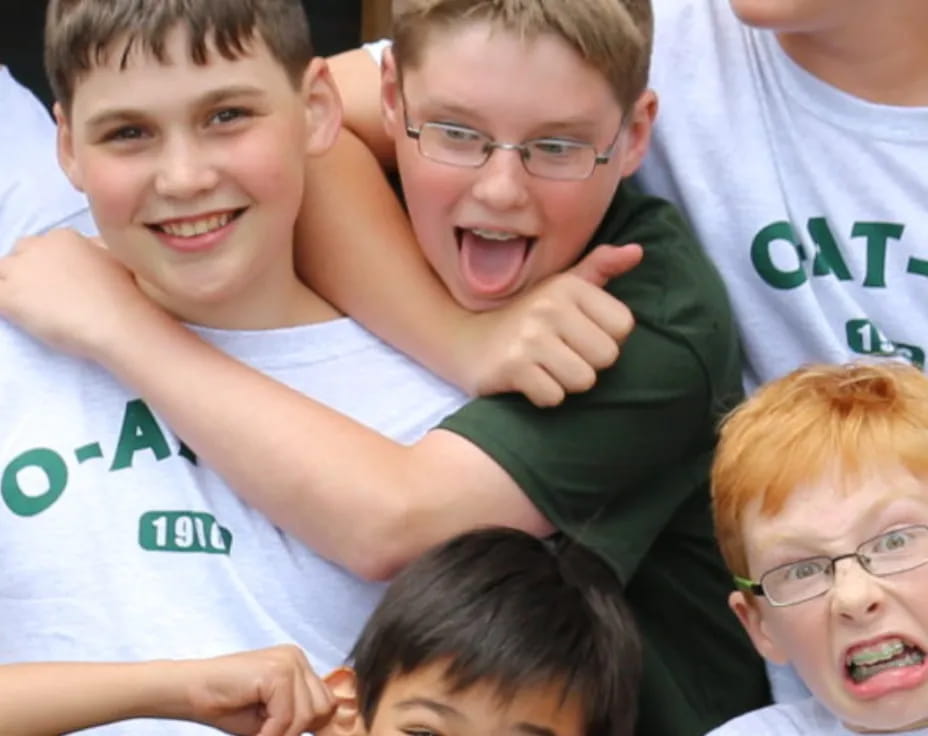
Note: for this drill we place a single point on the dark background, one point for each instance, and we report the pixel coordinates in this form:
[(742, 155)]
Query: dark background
[(336, 26)]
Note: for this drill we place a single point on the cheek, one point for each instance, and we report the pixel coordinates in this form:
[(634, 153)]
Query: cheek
[(116, 189), (570, 215), (431, 191), (267, 166)]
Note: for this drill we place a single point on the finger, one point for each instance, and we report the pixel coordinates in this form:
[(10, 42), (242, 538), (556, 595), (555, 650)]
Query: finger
[(539, 387), (564, 364), (585, 341), (303, 714), (279, 709), (322, 701), (605, 262), (607, 312)]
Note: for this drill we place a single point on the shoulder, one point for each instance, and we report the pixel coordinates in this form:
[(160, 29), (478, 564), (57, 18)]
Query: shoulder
[(685, 325), (804, 718)]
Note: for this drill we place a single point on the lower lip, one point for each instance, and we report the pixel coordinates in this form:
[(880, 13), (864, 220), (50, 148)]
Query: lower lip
[(904, 678), (196, 243)]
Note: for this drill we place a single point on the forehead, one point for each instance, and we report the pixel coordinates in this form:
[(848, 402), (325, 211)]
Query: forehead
[(538, 710), (837, 510), (499, 76), (130, 75)]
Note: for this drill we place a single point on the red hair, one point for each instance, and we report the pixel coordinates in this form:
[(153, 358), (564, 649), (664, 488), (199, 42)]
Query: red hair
[(795, 429)]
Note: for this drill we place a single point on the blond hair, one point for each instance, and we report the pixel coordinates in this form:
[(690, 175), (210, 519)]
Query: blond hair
[(850, 418), (80, 34), (613, 36)]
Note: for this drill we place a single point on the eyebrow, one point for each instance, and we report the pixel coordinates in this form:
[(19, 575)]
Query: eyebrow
[(533, 730), (870, 512), (530, 729), (440, 708), (214, 97), (580, 125)]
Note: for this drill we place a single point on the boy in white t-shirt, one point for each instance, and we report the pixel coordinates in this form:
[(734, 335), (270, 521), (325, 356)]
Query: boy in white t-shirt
[(820, 499), (795, 137)]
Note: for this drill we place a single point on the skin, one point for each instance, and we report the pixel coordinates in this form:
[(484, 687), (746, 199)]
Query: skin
[(160, 143), (456, 82), (815, 635), (315, 495), (421, 702), (268, 692), (873, 51)]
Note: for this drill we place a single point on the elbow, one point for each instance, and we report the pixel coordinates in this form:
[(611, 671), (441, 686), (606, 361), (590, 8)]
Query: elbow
[(384, 543)]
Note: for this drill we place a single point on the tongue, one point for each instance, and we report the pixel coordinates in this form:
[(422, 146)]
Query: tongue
[(491, 266)]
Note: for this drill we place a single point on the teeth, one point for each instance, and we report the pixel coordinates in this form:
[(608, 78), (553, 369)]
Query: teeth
[(192, 228), (495, 234), (884, 650), (863, 672)]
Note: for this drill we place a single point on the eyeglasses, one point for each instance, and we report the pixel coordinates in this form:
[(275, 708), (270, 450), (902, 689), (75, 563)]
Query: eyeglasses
[(795, 582), (548, 158)]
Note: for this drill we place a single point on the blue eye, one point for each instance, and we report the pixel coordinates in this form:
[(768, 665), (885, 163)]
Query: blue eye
[(554, 148), (459, 135), (891, 542), (804, 569)]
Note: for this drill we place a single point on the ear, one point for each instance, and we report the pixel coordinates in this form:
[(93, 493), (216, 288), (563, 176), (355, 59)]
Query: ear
[(347, 720), (390, 97), (65, 143), (638, 132), (751, 618), (323, 107)]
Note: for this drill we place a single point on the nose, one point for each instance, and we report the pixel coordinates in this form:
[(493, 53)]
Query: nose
[(857, 596), (184, 170), (501, 182)]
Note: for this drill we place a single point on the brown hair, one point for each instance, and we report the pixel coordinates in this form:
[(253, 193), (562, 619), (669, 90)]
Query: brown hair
[(851, 418), (79, 34), (614, 36)]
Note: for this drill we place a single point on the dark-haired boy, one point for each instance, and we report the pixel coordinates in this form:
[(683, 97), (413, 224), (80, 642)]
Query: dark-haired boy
[(493, 632)]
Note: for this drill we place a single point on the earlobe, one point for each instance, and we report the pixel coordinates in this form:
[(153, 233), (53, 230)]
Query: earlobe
[(751, 618), (65, 145), (638, 131), (323, 107), (389, 92), (347, 720)]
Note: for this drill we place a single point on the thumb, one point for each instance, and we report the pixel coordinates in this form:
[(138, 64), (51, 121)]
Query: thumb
[(605, 262)]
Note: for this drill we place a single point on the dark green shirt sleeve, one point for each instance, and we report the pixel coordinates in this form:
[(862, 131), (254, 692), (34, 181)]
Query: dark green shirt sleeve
[(611, 466)]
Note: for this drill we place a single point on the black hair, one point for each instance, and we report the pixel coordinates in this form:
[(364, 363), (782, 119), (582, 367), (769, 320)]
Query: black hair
[(503, 607)]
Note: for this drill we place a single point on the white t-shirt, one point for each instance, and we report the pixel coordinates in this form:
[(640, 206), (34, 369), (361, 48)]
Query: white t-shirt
[(35, 196), (117, 545), (810, 201), (806, 718)]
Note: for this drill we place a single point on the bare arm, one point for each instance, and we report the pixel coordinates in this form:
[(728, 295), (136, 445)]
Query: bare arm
[(352, 223), (282, 452), (271, 692)]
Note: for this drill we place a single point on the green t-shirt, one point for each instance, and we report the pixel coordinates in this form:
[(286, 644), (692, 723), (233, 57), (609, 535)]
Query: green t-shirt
[(624, 469)]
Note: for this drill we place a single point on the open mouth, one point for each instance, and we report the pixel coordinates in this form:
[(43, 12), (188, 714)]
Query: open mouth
[(194, 227), (866, 661), (492, 260)]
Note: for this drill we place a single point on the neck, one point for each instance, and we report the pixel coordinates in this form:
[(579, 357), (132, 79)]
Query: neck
[(881, 57), (263, 304)]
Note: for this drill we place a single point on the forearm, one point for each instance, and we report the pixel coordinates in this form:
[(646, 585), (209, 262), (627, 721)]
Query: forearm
[(54, 698), (290, 457), (355, 247)]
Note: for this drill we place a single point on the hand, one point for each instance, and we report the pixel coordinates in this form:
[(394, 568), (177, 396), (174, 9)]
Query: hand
[(552, 340), (68, 291), (267, 692)]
